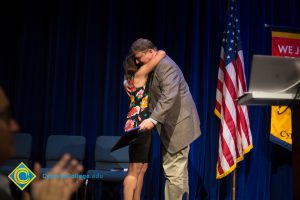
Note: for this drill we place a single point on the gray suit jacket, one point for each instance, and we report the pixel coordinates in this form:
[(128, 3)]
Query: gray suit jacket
[(172, 105)]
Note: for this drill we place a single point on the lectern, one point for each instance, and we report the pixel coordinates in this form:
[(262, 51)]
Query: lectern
[(276, 81)]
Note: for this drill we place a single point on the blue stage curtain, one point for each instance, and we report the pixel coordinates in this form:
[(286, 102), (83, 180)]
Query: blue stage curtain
[(61, 65)]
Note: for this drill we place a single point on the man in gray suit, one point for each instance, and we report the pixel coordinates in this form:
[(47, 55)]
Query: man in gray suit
[(174, 114)]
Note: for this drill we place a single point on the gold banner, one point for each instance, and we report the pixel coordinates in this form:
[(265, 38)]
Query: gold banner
[(281, 123)]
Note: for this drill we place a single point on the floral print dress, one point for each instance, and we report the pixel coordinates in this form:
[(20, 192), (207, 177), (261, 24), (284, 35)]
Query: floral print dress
[(138, 109)]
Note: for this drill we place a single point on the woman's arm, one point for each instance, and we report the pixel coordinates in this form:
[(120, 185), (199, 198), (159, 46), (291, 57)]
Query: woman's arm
[(126, 85), (145, 69)]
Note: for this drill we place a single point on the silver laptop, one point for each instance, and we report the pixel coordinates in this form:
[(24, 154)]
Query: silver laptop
[(273, 81)]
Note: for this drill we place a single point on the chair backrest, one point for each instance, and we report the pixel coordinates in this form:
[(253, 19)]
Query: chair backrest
[(104, 159), (58, 145), (23, 149)]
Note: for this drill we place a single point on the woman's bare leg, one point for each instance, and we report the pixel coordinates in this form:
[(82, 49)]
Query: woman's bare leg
[(140, 179), (131, 179)]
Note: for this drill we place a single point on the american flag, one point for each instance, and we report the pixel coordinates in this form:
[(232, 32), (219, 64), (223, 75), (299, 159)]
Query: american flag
[(235, 138)]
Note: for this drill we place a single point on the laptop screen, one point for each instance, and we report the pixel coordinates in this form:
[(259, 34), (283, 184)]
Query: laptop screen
[(274, 74)]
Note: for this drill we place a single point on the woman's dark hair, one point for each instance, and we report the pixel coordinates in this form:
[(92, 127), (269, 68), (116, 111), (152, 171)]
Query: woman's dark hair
[(129, 66)]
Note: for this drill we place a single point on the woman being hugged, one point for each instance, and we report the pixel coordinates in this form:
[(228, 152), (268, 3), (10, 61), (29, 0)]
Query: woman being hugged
[(136, 77)]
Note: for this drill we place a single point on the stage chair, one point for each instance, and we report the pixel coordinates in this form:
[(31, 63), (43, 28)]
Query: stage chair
[(109, 166), (58, 145), (23, 153)]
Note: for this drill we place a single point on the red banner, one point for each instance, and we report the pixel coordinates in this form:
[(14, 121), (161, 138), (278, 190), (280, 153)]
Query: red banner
[(285, 44)]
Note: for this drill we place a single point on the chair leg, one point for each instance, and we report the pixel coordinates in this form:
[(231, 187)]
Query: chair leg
[(98, 189), (101, 188), (85, 188), (94, 190)]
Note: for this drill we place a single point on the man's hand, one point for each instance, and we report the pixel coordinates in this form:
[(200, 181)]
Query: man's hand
[(146, 125), (58, 187)]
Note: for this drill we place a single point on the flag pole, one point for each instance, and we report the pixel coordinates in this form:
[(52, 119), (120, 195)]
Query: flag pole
[(233, 185), (233, 174)]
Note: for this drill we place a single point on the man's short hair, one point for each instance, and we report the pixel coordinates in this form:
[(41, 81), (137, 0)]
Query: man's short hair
[(142, 45)]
